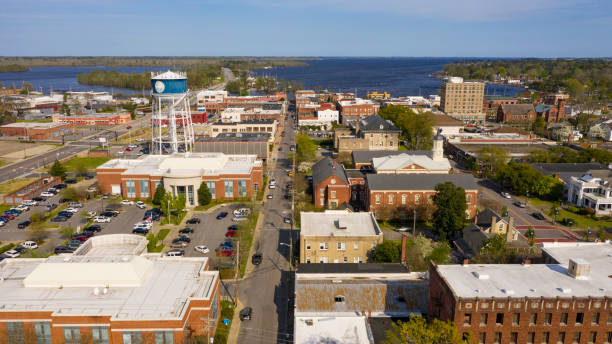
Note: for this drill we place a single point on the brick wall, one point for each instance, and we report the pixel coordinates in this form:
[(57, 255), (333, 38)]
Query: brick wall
[(393, 200)]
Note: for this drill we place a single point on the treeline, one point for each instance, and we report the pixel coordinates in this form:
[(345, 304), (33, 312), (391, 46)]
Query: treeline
[(590, 78), (568, 155), (13, 68), (197, 77)]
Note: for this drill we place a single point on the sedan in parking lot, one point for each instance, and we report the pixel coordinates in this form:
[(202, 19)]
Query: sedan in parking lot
[(505, 195), (102, 219), (186, 230), (93, 228), (47, 194), (232, 228), (287, 219), (222, 215), (127, 202), (230, 234), (239, 218), (63, 249), (59, 219), (193, 221), (224, 252), (183, 237), (142, 231), (30, 245), (23, 224), (257, 258), (178, 244), (202, 249), (246, 313)]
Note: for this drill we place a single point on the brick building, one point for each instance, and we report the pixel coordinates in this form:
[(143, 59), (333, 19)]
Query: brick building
[(566, 300), (227, 176), (462, 100), (330, 184), (248, 126), (399, 194), (353, 110), (94, 119), (516, 113), (493, 102), (36, 131), (370, 133), (108, 291)]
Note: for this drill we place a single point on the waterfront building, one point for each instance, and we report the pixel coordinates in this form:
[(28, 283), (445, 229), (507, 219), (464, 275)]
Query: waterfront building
[(462, 100)]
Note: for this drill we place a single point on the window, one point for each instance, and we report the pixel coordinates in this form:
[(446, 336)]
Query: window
[(341, 246), (333, 194), (513, 337), (533, 319), (467, 319), (144, 188), (345, 259), (377, 198), (229, 189), (308, 260), (308, 246), (417, 198), (484, 319), (99, 335), (391, 197), (530, 337), (482, 338), (609, 335), (323, 246), (610, 318), (497, 338), (322, 191), (468, 198), (561, 338), (132, 337), (15, 332), (595, 319), (579, 318), (592, 337), (242, 188), (339, 299), (164, 337), (190, 199), (356, 245), (576, 338), (72, 335), (211, 188), (130, 188), (563, 320), (42, 330), (545, 337), (516, 318), (356, 259), (548, 319), (499, 318)]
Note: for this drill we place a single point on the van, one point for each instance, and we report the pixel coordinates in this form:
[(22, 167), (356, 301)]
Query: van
[(175, 253)]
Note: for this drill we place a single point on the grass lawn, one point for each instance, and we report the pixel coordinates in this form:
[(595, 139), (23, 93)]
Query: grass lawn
[(143, 133), (580, 220), (2, 163), (227, 312), (90, 163), (246, 240), (15, 184), (402, 148), (42, 120), (5, 207)]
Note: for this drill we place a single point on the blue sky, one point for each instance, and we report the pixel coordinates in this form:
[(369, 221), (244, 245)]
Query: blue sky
[(487, 28)]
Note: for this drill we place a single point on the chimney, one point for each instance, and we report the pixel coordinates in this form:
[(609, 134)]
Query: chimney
[(403, 256), (334, 164), (466, 262), (510, 230), (493, 223)]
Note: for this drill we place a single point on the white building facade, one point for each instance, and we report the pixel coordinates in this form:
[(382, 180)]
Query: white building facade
[(593, 190)]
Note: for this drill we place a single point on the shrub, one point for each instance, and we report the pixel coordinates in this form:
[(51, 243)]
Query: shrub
[(572, 209)]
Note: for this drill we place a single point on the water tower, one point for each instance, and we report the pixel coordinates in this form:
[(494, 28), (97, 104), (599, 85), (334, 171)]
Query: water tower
[(172, 131)]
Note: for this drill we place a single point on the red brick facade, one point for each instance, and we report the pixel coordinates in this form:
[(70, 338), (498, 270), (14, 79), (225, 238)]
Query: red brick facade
[(505, 115), (42, 132), (393, 200), (331, 194)]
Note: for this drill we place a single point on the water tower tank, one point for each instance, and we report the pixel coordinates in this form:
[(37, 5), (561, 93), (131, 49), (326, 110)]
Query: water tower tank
[(169, 83)]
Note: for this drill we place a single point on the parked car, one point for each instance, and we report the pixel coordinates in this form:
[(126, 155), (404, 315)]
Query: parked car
[(29, 202), (80, 237), (232, 228), (102, 219), (30, 245), (24, 224), (228, 244), (72, 210), (142, 231), (47, 194), (193, 220), (75, 205), (175, 253), (63, 249), (242, 212), (61, 186), (38, 199), (538, 216), (141, 204), (257, 258), (246, 313), (70, 181), (202, 249), (505, 195), (230, 234), (93, 228), (12, 254), (74, 243), (2, 222), (183, 237), (178, 244), (92, 213), (7, 217), (50, 206), (22, 207), (62, 200), (186, 230), (59, 219), (225, 252), (287, 219), (269, 196), (402, 229), (520, 204), (127, 202), (222, 215), (239, 218), (108, 214), (65, 213)]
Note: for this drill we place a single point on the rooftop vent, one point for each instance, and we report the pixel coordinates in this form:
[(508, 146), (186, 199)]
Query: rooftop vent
[(308, 322), (565, 290), (579, 268), (480, 275), (341, 224), (508, 291)]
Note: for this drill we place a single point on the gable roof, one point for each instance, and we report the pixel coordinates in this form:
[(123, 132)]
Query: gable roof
[(418, 181), (400, 161), (377, 123), (517, 109), (485, 218), (325, 168)]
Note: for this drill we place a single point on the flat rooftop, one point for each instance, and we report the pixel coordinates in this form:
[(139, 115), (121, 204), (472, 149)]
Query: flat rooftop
[(339, 223), (30, 125), (351, 268), (536, 280), (332, 329)]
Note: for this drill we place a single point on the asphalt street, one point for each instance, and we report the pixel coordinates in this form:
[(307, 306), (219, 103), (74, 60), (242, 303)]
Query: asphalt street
[(522, 216), (268, 287)]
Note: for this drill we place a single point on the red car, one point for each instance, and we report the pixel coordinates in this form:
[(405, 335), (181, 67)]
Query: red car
[(8, 217), (230, 234), (225, 252), (128, 149), (128, 127), (80, 238)]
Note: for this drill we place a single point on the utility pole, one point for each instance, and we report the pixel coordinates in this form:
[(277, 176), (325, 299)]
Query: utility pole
[(414, 222), (237, 268)]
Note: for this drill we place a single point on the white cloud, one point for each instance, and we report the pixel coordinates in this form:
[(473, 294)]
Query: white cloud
[(453, 10)]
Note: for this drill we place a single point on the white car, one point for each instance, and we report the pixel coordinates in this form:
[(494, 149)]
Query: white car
[(272, 181), (505, 195), (47, 194), (31, 245), (92, 213), (242, 212), (21, 207), (239, 218), (102, 219), (2, 223), (72, 210), (402, 229), (127, 202), (141, 204), (29, 202), (12, 254), (202, 249), (143, 225), (140, 140), (133, 146), (272, 186)]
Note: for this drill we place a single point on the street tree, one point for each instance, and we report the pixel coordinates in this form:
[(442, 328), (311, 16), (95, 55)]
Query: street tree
[(387, 252), (159, 194), (204, 196), (450, 215), (493, 158), (306, 148), (57, 170), (418, 331)]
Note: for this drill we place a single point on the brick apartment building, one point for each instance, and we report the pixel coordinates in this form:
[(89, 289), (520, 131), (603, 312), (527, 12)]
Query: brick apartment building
[(462, 100), (36, 131), (330, 185), (353, 110), (227, 176), (107, 291), (94, 119), (566, 300)]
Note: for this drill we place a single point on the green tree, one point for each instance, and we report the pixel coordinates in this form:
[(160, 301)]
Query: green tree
[(204, 196), (159, 194), (495, 251), (530, 234), (58, 170), (539, 127), (387, 252), (493, 158), (26, 86), (418, 331), (69, 193), (306, 148), (81, 169), (416, 127), (450, 215)]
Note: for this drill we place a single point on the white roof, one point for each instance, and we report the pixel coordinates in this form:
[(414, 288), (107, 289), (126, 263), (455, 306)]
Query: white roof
[(328, 223), (331, 329), (396, 162), (536, 280), (33, 125)]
